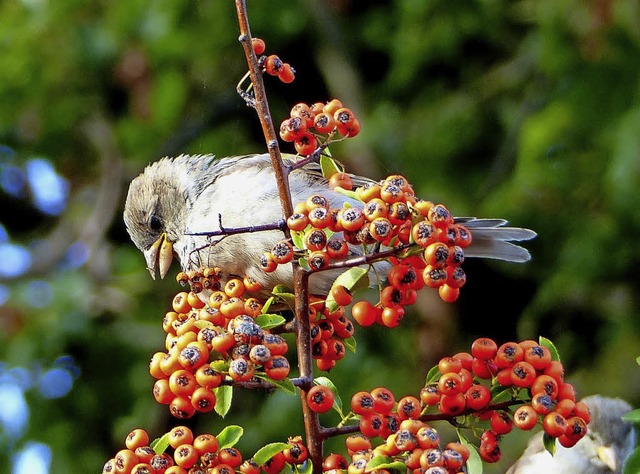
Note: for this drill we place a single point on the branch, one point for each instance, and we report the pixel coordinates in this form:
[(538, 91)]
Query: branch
[(300, 276), (350, 429)]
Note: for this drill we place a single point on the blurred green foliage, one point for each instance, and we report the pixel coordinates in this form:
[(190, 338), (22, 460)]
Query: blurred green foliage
[(528, 110)]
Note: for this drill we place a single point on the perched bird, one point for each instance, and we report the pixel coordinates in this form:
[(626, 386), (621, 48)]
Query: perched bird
[(175, 200), (609, 441)]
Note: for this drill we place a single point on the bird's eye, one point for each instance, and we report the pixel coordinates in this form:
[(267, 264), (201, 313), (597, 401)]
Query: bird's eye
[(155, 223)]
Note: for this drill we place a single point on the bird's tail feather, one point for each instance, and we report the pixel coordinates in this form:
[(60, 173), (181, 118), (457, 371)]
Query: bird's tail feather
[(491, 239)]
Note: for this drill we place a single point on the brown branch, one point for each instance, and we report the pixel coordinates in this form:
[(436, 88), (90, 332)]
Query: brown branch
[(350, 429), (300, 276)]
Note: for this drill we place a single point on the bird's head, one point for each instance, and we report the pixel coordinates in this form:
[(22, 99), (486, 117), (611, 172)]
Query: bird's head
[(155, 213)]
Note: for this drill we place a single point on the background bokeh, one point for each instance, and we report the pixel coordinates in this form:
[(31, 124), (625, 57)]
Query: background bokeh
[(528, 110)]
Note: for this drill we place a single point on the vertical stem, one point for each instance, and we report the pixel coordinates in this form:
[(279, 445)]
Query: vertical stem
[(300, 276), (312, 426), (262, 107)]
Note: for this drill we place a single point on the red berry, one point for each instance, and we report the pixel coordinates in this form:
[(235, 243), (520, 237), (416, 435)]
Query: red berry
[(525, 417), (258, 45), (320, 398), (273, 65), (484, 348), (383, 400)]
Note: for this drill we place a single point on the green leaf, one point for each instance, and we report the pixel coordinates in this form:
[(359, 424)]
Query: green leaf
[(298, 239), (549, 443), (337, 403), (284, 293), (224, 395), (543, 341), (474, 463), (268, 321), (632, 464), (304, 468), (632, 417), (385, 462), (328, 166), (160, 445), (267, 304), (433, 375), (304, 264), (229, 436), (353, 279), (346, 192), (350, 344), (220, 365), (502, 396), (638, 360), (285, 385), (267, 452)]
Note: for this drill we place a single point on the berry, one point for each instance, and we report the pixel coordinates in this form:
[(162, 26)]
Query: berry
[(287, 74), (525, 417), (320, 398), (501, 423), (554, 424), (258, 45), (484, 348), (383, 400), (273, 65), (362, 403)]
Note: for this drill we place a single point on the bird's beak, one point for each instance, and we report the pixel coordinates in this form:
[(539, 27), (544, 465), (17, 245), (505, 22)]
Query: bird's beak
[(607, 455), (160, 256)]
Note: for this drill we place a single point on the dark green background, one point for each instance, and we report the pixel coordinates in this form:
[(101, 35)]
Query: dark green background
[(528, 110)]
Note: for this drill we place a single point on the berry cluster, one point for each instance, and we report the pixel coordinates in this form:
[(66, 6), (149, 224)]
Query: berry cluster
[(534, 381), (307, 124), (430, 244), (200, 454), (272, 64), (406, 438), (329, 331), (206, 342)]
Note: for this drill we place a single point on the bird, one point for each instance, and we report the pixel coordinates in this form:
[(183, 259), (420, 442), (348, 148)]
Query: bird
[(173, 204), (609, 441)]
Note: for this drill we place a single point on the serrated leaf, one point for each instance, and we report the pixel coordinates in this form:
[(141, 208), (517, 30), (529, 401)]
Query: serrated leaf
[(337, 403), (224, 395), (385, 462), (632, 416), (474, 463), (433, 375), (160, 445), (632, 464), (328, 166), (502, 396), (353, 279), (285, 385), (549, 443), (267, 452), (543, 341), (350, 343), (229, 436), (268, 321)]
